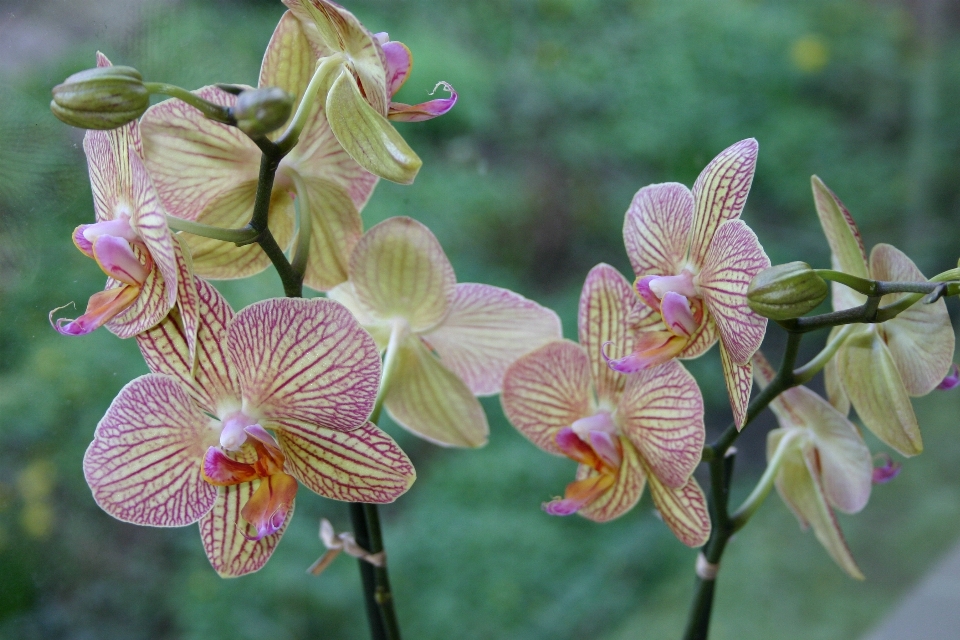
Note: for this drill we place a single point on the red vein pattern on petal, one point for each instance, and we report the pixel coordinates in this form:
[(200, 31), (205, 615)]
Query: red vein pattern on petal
[(305, 360), (739, 379), (720, 193), (109, 167), (188, 299), (336, 228), (656, 229), (224, 532), (547, 390), (149, 221), (486, 330), (143, 465), (289, 60), (147, 310), (684, 510), (843, 236), (363, 465), (661, 413), (609, 311), (213, 381), (735, 257), (704, 338), (623, 495)]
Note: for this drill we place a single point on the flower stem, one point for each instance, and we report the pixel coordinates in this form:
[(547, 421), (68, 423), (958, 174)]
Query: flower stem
[(760, 492), (326, 67), (240, 237), (805, 373), (210, 110)]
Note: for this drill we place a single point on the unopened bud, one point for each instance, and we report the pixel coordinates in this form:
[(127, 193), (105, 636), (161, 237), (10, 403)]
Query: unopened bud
[(260, 111), (101, 98), (786, 291)]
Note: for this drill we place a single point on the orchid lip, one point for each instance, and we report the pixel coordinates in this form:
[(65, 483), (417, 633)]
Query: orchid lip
[(677, 314)]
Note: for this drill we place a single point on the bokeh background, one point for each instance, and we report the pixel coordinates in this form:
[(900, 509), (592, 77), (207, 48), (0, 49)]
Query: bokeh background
[(567, 107)]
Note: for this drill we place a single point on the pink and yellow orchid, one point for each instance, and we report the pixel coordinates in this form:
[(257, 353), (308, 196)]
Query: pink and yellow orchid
[(362, 73), (879, 366), (446, 342), (822, 463), (147, 269), (694, 259), (624, 431), (184, 444)]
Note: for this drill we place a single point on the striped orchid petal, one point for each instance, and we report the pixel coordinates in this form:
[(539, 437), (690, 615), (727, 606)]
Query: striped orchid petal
[(920, 339), (290, 59), (145, 311), (684, 510), (871, 380), (734, 258), (305, 360), (720, 193), (428, 110), (739, 379), (399, 63), (110, 177), (486, 330), (661, 412), (143, 465), (212, 382), (188, 298), (622, 495), (704, 338), (609, 311), (656, 229), (346, 295), (799, 486), (362, 465), (149, 222), (432, 402), (231, 549), (335, 229), (846, 246), (547, 390), (399, 270), (831, 381)]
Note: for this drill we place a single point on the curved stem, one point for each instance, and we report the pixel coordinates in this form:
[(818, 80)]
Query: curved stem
[(305, 219), (208, 109), (326, 67), (760, 492), (805, 373), (240, 237)]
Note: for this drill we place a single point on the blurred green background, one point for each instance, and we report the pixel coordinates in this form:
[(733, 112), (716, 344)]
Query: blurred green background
[(567, 107)]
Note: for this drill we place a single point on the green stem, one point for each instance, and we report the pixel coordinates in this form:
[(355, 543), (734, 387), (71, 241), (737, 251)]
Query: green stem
[(240, 237), (305, 218), (208, 109), (760, 492), (805, 373), (324, 70)]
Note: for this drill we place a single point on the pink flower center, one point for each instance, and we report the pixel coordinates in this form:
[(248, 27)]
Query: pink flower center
[(591, 441), (232, 436)]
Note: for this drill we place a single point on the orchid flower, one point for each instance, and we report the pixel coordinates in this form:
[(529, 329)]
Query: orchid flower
[(624, 431), (183, 445), (824, 463), (148, 273), (207, 172), (879, 366), (364, 71), (446, 342), (694, 260)]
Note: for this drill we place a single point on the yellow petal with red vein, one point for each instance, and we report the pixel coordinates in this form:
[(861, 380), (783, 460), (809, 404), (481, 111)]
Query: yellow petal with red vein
[(661, 412), (872, 382), (656, 229), (399, 270), (684, 510), (188, 300), (547, 390), (346, 295), (289, 60), (224, 534), (362, 465), (920, 339), (335, 229), (431, 401), (305, 360), (720, 193), (111, 178), (704, 338), (147, 309), (624, 493), (486, 330), (739, 379)]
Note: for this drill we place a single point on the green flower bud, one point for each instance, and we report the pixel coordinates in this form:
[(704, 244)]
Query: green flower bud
[(101, 98), (786, 291), (260, 111)]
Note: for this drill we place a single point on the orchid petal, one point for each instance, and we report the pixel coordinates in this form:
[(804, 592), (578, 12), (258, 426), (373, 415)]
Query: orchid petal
[(290, 60), (115, 256), (111, 179), (622, 495), (230, 551), (346, 295), (362, 465), (270, 505), (547, 390), (739, 379), (149, 221), (146, 310), (920, 339), (336, 228), (213, 382), (661, 412), (143, 465), (831, 381), (188, 299), (720, 193), (684, 510), (305, 360), (399, 270), (193, 160), (367, 135), (101, 308), (486, 330), (573, 446), (399, 63), (428, 110), (704, 338), (609, 312), (431, 401), (846, 246), (870, 378), (734, 258), (656, 229)]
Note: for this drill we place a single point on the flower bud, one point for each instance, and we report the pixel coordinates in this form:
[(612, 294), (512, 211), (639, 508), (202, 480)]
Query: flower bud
[(101, 98), (260, 111), (786, 291)]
